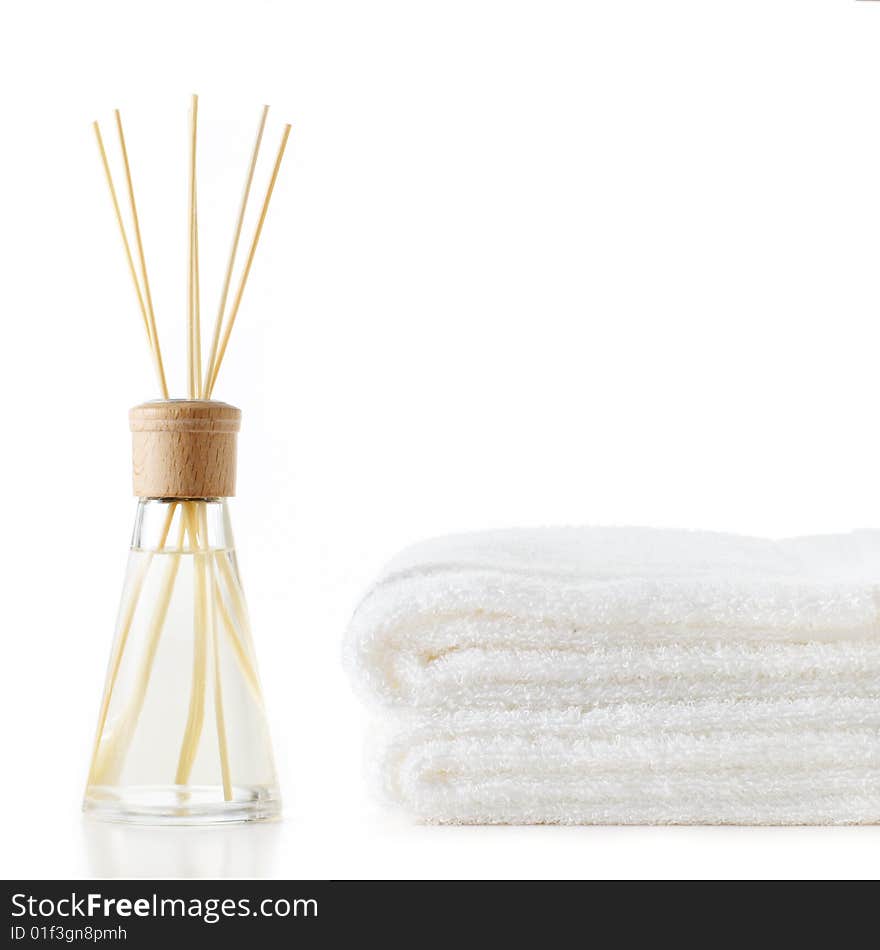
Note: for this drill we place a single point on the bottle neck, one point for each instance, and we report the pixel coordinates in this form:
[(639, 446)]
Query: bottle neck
[(164, 524)]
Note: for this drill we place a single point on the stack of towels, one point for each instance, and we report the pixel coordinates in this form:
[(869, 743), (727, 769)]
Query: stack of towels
[(626, 676)]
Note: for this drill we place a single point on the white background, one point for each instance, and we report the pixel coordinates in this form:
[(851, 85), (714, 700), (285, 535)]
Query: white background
[(527, 263)]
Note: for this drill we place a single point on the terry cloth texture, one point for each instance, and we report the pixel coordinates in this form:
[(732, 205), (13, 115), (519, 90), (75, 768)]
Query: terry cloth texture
[(621, 675)]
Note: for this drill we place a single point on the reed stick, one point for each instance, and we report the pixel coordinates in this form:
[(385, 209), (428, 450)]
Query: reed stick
[(115, 661), (151, 316), (244, 652), (191, 223), (126, 620), (196, 715), (111, 755), (157, 364), (219, 717), (242, 655), (233, 314), (197, 305), (239, 607), (236, 237)]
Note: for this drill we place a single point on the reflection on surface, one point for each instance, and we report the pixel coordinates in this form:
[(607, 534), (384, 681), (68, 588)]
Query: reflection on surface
[(233, 851)]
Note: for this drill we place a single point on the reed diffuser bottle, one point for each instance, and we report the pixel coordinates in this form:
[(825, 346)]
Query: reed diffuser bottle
[(182, 734)]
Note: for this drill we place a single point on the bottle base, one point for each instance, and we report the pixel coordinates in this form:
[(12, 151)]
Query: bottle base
[(181, 804)]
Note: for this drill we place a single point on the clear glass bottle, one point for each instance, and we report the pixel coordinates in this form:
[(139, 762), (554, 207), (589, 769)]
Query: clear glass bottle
[(182, 734)]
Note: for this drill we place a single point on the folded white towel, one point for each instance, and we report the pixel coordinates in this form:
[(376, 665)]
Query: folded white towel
[(628, 675)]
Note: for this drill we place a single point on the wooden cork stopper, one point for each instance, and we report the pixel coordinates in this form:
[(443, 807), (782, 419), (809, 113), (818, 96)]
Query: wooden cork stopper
[(184, 448)]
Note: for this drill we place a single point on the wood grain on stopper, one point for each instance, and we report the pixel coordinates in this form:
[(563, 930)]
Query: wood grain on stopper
[(184, 448)]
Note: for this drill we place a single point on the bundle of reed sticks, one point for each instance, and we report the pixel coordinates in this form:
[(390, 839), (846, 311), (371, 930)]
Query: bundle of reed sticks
[(219, 607), (200, 381)]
